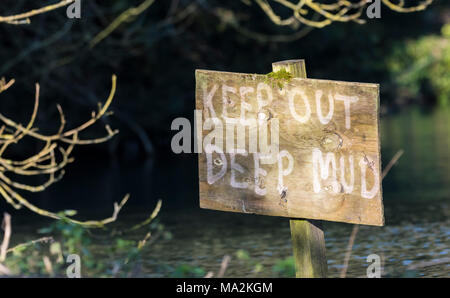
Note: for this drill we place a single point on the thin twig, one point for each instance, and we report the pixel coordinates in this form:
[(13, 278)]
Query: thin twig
[(23, 17), (355, 229), (123, 17), (48, 265), (6, 236), (30, 243), (348, 253), (4, 270), (224, 265), (392, 163), (338, 11), (150, 218)]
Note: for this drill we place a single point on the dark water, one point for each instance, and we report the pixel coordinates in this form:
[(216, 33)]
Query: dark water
[(416, 198)]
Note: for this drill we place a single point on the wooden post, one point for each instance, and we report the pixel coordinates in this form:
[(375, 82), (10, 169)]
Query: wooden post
[(308, 241)]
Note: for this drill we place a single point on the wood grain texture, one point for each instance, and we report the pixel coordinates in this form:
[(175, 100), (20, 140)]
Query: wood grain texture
[(303, 195), (308, 244), (308, 240)]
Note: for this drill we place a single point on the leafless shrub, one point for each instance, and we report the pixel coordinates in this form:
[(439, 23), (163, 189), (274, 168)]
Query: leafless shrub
[(51, 160)]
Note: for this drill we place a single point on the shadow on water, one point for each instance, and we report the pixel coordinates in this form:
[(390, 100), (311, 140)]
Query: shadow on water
[(416, 197)]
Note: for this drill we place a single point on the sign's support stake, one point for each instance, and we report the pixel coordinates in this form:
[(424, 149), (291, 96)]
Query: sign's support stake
[(308, 241)]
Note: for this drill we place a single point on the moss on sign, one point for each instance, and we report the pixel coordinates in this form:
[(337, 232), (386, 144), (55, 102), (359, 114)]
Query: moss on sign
[(279, 78)]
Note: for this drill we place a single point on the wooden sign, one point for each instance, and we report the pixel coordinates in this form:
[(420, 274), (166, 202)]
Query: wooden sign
[(283, 146)]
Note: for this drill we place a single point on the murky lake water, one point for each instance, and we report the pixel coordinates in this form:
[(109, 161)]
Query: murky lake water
[(416, 198)]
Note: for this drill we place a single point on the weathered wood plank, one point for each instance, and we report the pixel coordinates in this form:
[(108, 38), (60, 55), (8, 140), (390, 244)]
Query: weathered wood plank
[(316, 119)]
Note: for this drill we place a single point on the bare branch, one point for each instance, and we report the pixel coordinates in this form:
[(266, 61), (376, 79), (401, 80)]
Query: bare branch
[(123, 17), (23, 18), (6, 236), (51, 159), (339, 11)]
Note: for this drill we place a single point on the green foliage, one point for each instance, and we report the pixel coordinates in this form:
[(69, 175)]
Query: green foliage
[(27, 259), (284, 267), (120, 256), (73, 237), (188, 271), (244, 259), (421, 67), (242, 255)]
